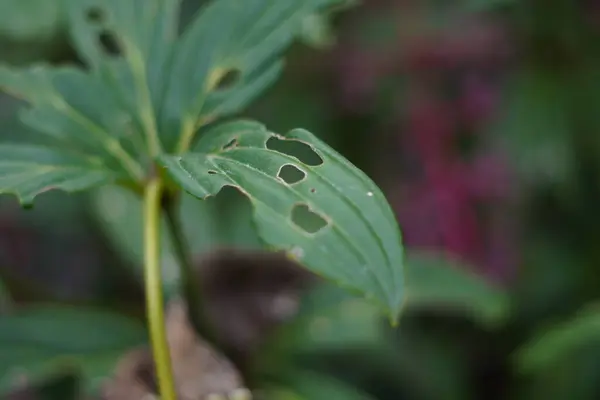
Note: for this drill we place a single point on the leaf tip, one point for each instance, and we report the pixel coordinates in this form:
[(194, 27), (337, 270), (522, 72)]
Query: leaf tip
[(394, 319)]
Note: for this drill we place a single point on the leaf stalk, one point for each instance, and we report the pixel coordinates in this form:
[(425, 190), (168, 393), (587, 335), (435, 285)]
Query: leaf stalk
[(154, 294)]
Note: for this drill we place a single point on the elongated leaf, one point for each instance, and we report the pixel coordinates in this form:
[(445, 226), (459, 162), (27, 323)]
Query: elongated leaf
[(328, 319), (551, 345), (330, 215), (37, 340), (184, 81), (77, 145), (436, 281), (28, 170), (243, 40)]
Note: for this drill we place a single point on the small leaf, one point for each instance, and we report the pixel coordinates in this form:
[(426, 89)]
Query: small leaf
[(37, 340), (436, 281), (552, 345), (348, 233), (538, 126), (76, 132), (328, 319), (29, 170), (316, 28), (305, 385)]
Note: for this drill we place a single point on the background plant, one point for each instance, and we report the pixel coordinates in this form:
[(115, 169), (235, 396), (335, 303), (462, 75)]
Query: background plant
[(492, 140)]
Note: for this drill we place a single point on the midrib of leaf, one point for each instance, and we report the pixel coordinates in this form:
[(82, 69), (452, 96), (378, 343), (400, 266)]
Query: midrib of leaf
[(191, 123), (138, 67), (283, 24), (111, 144), (337, 159)]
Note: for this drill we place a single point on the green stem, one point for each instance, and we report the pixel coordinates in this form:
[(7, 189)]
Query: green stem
[(154, 295), (190, 281)]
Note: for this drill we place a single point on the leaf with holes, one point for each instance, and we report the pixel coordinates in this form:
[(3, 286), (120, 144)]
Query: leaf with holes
[(146, 89), (36, 340), (224, 59), (322, 209)]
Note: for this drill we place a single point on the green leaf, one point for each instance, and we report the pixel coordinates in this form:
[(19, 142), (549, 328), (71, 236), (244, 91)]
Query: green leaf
[(38, 340), (537, 126), (146, 89), (330, 216), (30, 30), (436, 281), (224, 59), (27, 170), (77, 146), (328, 319), (307, 385), (552, 345)]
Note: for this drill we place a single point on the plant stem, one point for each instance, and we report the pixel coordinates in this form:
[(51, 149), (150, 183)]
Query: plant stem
[(154, 295), (190, 281)]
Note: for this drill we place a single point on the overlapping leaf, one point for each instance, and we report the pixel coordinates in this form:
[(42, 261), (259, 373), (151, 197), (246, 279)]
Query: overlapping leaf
[(28, 170), (305, 384), (348, 232), (181, 79), (36, 340), (147, 89), (437, 281), (553, 345)]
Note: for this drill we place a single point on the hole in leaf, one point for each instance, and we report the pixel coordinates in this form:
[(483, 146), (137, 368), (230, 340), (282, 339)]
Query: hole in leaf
[(295, 148), (95, 15), (306, 219), (227, 79), (313, 190), (109, 43), (212, 172), (232, 143), (291, 174)]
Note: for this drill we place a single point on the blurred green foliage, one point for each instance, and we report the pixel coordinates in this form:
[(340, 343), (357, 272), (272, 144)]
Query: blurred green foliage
[(461, 337)]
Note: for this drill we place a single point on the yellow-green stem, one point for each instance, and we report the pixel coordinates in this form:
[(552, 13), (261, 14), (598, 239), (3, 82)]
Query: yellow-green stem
[(154, 295)]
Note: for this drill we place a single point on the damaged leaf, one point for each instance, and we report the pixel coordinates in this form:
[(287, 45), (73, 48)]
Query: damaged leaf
[(146, 89), (334, 219)]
